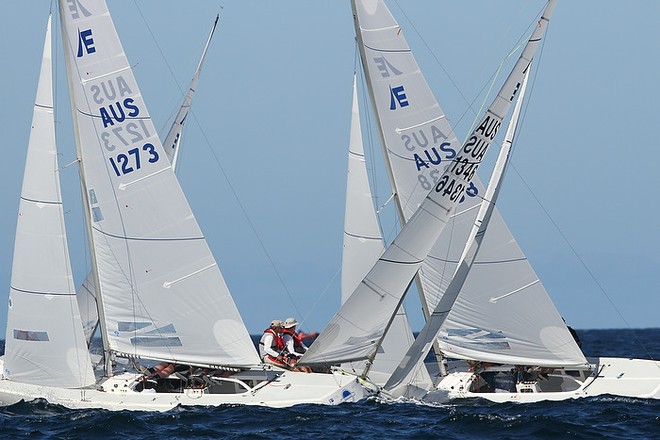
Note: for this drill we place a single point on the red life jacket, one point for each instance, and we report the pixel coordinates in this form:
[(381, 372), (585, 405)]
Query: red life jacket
[(297, 340), (278, 342)]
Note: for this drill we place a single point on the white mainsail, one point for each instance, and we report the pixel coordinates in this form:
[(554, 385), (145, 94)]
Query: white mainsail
[(353, 334), (363, 244), (417, 140), (160, 291), (87, 292), (45, 344)]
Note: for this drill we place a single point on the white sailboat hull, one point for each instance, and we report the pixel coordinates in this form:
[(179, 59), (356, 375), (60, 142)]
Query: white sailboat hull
[(637, 378), (117, 393)]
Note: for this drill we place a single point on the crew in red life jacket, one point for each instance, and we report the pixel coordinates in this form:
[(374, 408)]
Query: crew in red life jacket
[(292, 340), (271, 345)]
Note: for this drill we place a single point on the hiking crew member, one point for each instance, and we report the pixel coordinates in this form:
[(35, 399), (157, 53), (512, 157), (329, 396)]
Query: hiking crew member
[(271, 345), (292, 340)]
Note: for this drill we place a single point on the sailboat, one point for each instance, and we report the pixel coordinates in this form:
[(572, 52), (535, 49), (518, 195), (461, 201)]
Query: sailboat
[(485, 305), (353, 335), (161, 296)]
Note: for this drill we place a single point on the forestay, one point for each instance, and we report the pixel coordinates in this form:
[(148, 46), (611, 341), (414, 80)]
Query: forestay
[(45, 344), (352, 333), (161, 293)]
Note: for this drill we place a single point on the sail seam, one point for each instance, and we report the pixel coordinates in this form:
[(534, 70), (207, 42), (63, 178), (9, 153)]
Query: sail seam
[(511, 260), (122, 186), (91, 115)]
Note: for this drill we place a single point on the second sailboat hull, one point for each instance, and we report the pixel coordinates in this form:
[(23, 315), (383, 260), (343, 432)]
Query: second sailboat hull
[(637, 378)]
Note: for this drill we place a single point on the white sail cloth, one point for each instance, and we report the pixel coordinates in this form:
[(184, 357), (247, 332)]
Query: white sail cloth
[(160, 291), (45, 344)]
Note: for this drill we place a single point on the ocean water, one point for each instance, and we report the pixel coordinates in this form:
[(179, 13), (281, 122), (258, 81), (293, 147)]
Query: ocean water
[(593, 418)]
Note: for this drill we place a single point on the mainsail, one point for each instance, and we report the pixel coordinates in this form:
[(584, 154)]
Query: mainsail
[(86, 294), (417, 140), (161, 294), (45, 344), (352, 334)]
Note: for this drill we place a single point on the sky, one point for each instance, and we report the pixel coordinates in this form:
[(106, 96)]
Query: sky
[(264, 156)]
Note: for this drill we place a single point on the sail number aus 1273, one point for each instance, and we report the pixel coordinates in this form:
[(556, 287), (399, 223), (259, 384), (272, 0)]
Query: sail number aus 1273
[(132, 160)]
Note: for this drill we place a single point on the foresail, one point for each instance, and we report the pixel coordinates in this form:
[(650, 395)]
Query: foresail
[(87, 292), (161, 292), (44, 344), (353, 334)]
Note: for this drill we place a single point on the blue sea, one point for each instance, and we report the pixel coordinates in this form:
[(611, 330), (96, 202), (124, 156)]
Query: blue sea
[(593, 418)]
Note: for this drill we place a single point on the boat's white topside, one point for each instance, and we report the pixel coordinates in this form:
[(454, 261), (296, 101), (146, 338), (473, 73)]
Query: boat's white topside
[(637, 378), (280, 390)]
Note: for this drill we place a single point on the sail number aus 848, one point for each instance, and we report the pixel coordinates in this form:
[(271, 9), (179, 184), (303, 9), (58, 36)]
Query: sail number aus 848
[(127, 163)]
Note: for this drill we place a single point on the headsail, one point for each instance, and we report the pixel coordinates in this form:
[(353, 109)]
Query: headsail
[(160, 290), (45, 344), (352, 334)]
